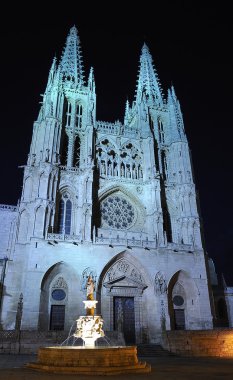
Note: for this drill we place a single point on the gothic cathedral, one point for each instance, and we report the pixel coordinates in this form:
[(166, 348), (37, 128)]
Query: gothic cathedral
[(113, 200)]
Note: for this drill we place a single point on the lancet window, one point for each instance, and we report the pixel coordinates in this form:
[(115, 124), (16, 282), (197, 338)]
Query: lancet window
[(77, 149), (64, 216), (68, 115), (131, 162), (164, 164), (161, 131), (79, 112)]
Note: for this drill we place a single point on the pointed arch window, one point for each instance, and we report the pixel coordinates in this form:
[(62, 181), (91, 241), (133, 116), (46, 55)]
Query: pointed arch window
[(68, 114), (77, 149), (161, 131), (79, 113), (164, 164), (64, 216)]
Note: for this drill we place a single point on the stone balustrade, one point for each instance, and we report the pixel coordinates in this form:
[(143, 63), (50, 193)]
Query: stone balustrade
[(8, 207)]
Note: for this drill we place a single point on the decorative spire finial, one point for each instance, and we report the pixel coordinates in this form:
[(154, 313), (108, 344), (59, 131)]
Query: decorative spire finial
[(148, 82), (71, 61)]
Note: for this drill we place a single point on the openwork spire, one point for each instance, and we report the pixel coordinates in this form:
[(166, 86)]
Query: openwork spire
[(176, 118), (52, 73), (126, 118), (91, 80), (71, 61), (148, 82)]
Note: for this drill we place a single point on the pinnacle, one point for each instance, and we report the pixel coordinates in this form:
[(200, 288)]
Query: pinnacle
[(71, 61), (145, 48), (73, 30), (148, 82)]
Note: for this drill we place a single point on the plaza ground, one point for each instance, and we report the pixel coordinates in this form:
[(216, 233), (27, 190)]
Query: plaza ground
[(12, 367)]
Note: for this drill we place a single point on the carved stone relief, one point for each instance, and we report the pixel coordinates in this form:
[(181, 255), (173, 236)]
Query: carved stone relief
[(124, 268), (60, 283), (160, 283)]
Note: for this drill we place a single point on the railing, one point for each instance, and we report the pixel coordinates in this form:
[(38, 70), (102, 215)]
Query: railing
[(112, 128), (63, 237), (69, 169), (150, 244), (8, 207), (116, 129), (119, 241), (130, 132)]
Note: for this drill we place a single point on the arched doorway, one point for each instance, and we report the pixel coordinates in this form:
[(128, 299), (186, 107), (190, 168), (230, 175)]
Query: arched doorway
[(121, 291), (56, 298), (183, 302)]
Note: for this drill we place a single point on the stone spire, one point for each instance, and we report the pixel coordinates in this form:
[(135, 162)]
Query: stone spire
[(71, 61), (91, 80), (148, 82), (126, 118), (176, 118), (52, 73)]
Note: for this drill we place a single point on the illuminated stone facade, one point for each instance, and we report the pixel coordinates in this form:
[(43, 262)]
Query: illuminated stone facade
[(114, 200)]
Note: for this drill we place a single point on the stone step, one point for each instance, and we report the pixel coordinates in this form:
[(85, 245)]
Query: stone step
[(152, 350), (89, 361)]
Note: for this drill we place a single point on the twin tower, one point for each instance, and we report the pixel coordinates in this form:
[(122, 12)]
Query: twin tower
[(114, 201), (94, 179)]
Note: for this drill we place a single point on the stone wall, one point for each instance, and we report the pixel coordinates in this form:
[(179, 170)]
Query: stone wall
[(28, 342), (228, 293), (8, 215), (218, 342)]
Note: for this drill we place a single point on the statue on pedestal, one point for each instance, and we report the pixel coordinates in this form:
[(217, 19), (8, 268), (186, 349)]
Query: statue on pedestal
[(90, 288), (89, 327)]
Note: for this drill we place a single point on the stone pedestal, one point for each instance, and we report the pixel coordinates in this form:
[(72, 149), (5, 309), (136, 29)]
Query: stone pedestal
[(89, 361), (90, 306), (89, 328)]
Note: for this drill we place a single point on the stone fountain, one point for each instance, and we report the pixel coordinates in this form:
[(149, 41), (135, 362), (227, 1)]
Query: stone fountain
[(89, 359), (89, 327)]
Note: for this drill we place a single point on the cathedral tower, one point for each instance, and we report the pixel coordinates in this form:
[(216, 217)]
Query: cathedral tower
[(115, 201), (58, 176)]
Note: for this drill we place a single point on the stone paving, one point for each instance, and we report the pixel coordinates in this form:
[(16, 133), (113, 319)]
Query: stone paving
[(163, 368)]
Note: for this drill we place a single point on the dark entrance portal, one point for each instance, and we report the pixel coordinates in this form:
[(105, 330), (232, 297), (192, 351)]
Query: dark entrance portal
[(124, 318), (57, 317), (179, 319)]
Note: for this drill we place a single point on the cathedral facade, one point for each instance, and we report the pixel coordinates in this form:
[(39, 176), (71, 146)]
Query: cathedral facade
[(116, 201)]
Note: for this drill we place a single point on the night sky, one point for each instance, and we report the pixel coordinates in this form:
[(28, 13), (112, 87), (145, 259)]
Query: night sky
[(191, 44)]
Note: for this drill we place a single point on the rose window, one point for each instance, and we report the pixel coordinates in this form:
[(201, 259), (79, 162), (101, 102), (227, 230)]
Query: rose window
[(117, 213)]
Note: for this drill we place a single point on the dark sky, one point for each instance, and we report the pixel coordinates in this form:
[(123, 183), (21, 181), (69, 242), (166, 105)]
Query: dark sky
[(191, 44)]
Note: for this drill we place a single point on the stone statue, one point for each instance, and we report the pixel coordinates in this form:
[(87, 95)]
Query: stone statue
[(90, 288), (160, 284)]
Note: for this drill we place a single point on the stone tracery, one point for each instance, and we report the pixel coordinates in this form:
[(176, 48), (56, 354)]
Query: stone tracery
[(113, 162), (117, 212)]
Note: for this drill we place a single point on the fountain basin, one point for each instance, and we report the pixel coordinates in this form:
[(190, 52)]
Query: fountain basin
[(89, 361)]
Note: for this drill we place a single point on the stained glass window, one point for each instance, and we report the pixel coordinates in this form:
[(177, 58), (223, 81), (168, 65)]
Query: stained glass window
[(117, 213), (64, 217)]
